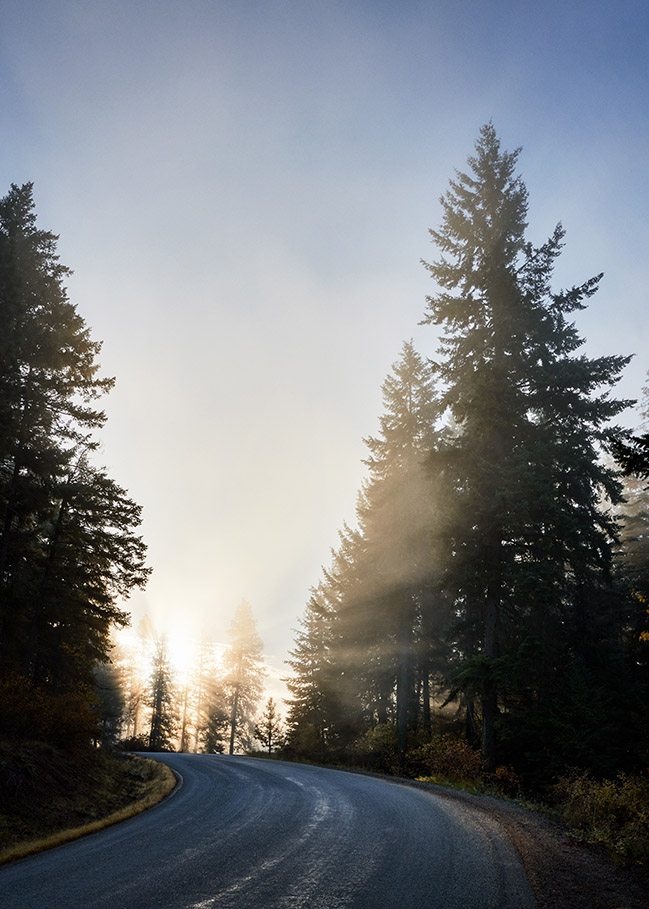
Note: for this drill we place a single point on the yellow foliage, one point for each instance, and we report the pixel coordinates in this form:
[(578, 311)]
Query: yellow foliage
[(614, 812), (644, 635)]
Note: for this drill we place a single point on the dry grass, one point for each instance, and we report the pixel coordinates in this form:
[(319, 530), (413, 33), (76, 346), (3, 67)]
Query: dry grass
[(157, 782)]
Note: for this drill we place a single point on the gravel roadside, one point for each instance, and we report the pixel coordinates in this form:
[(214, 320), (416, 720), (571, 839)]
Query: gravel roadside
[(564, 873)]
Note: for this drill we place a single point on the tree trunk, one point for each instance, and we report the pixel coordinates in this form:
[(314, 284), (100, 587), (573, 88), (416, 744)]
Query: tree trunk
[(233, 717), (426, 717), (404, 695), (199, 698), (156, 718), (470, 729), (184, 744), (489, 689)]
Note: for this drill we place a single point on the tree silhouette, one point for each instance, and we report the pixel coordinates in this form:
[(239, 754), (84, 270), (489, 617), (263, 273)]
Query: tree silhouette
[(528, 543), (244, 671), (268, 729), (164, 717), (68, 547)]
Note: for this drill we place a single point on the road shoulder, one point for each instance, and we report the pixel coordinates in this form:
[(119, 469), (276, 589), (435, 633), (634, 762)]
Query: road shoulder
[(564, 873)]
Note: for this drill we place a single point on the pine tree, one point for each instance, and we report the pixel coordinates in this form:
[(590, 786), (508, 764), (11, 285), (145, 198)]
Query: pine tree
[(134, 660), (214, 732), (632, 620), (209, 701), (268, 729), (369, 626), (90, 558), (528, 544), (310, 706), (244, 672), (396, 517), (164, 716), (68, 548), (109, 686)]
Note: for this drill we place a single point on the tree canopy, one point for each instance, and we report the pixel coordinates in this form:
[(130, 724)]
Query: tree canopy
[(484, 562), (69, 548)]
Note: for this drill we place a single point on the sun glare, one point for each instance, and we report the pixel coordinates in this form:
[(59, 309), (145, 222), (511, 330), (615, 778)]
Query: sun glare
[(183, 655)]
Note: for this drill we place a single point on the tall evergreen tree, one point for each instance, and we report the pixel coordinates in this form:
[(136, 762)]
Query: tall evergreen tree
[(528, 543), (215, 737), (363, 653), (89, 559), (396, 514), (309, 720), (109, 686), (244, 672), (164, 714), (209, 702), (68, 547), (632, 621), (134, 660)]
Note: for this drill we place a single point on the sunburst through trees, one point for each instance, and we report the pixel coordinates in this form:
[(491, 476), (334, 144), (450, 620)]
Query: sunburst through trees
[(188, 695)]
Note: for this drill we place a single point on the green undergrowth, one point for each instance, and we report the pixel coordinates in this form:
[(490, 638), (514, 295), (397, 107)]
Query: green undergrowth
[(49, 796), (614, 813)]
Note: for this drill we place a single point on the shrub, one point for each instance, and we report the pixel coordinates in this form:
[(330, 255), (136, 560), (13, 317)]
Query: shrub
[(451, 759), (613, 812), (377, 749), (30, 712), (448, 757), (134, 743), (505, 780)]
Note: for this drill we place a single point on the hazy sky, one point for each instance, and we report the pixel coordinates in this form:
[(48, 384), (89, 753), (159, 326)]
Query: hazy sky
[(244, 189)]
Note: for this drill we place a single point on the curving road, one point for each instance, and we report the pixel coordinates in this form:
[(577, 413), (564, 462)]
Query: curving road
[(241, 833)]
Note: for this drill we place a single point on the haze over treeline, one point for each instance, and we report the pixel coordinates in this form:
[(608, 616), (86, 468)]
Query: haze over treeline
[(490, 600)]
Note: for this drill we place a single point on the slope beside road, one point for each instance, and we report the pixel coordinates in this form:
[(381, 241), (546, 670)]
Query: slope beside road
[(564, 873)]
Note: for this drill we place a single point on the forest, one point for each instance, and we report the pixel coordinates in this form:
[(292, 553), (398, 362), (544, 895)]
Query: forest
[(211, 705), (485, 617), (70, 553), (489, 608)]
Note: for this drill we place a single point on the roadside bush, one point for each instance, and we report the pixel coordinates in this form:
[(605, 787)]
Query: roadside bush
[(134, 743), (447, 758), (505, 780), (376, 749), (613, 812), (28, 712)]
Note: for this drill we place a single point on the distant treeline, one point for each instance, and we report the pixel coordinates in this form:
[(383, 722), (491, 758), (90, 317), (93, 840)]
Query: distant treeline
[(494, 589), (209, 705)]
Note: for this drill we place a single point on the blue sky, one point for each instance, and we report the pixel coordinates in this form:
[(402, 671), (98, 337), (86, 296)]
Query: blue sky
[(243, 191)]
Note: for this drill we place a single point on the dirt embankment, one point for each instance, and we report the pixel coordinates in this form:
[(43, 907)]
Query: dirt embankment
[(564, 873), (49, 796)]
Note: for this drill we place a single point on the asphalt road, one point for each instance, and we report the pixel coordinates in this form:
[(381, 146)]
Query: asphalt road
[(241, 833)]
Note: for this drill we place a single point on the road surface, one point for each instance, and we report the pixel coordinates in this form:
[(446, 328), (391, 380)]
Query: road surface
[(242, 833)]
